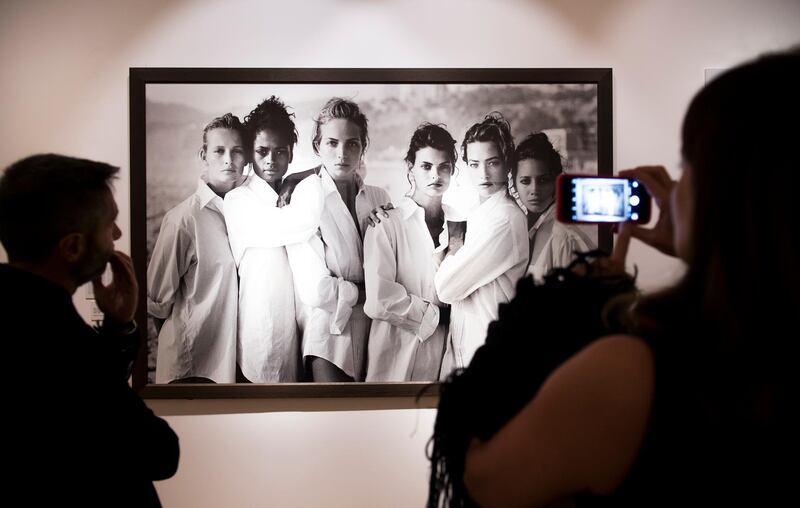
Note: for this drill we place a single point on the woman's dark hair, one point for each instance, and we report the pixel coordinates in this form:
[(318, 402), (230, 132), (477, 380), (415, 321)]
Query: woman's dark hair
[(537, 146), (508, 369), (721, 336), (226, 121), (337, 107), (496, 129), (745, 244), (434, 136), (270, 114), (726, 326)]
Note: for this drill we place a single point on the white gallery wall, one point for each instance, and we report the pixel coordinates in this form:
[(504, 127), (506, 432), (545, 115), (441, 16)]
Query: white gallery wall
[(63, 88)]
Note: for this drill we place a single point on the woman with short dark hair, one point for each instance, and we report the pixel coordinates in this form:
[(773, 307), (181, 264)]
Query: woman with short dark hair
[(553, 244), (409, 322)]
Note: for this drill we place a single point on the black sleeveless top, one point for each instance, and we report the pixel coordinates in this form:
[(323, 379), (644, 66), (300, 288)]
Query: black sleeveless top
[(702, 446), (707, 442)]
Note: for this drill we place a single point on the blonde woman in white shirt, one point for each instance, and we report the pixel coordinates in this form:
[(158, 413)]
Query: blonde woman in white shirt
[(328, 269), (406, 342), (268, 342), (191, 278), (483, 273), (552, 244)]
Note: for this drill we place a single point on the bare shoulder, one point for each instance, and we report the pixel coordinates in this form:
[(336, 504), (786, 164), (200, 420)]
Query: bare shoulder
[(581, 432), (618, 350), (603, 396), (613, 368)]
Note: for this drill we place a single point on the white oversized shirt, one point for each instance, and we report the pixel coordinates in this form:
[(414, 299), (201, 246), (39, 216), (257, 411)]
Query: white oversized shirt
[(553, 244), (326, 270), (191, 284), (406, 342), (481, 275), (268, 346)]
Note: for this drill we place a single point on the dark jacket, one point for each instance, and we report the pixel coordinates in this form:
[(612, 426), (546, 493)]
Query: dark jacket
[(77, 434)]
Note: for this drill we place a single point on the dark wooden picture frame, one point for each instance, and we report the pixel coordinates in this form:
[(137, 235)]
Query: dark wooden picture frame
[(416, 84)]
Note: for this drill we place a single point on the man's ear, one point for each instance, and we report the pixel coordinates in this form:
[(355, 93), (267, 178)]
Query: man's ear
[(201, 154), (291, 154), (72, 247)]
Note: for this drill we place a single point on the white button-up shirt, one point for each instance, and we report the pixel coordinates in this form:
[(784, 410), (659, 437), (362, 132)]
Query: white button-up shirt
[(191, 284), (326, 270), (481, 275), (268, 344), (406, 342), (553, 244)]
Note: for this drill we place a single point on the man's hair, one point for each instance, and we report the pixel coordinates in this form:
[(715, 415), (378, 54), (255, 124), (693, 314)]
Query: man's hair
[(269, 114), (45, 197), (338, 108)]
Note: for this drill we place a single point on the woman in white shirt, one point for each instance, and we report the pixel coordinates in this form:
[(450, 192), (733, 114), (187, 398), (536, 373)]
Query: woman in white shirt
[(328, 269), (406, 342), (191, 278), (552, 244), (268, 343), (483, 273)]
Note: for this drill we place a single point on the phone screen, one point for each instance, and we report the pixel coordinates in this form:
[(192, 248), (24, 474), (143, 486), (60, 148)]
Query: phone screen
[(600, 199)]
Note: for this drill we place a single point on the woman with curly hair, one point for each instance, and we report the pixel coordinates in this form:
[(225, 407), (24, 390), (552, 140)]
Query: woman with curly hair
[(478, 276), (268, 342)]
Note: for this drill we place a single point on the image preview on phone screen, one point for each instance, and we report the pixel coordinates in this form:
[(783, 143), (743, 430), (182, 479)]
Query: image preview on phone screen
[(604, 199)]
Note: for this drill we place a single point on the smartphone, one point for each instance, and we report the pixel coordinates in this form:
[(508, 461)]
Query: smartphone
[(601, 199)]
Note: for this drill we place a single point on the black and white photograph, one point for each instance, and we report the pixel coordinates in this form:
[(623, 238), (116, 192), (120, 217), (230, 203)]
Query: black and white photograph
[(357, 226)]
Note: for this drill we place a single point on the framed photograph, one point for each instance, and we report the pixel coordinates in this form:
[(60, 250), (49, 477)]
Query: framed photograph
[(197, 259)]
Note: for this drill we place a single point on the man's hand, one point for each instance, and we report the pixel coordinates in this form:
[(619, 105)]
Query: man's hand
[(119, 299)]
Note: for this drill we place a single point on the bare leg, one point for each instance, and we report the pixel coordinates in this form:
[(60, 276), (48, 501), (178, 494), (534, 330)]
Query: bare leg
[(323, 371)]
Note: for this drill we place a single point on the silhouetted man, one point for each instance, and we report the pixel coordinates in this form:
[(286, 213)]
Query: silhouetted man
[(76, 433)]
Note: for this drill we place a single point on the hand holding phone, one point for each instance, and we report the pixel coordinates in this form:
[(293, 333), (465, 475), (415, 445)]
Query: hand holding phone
[(660, 185), (601, 199)]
